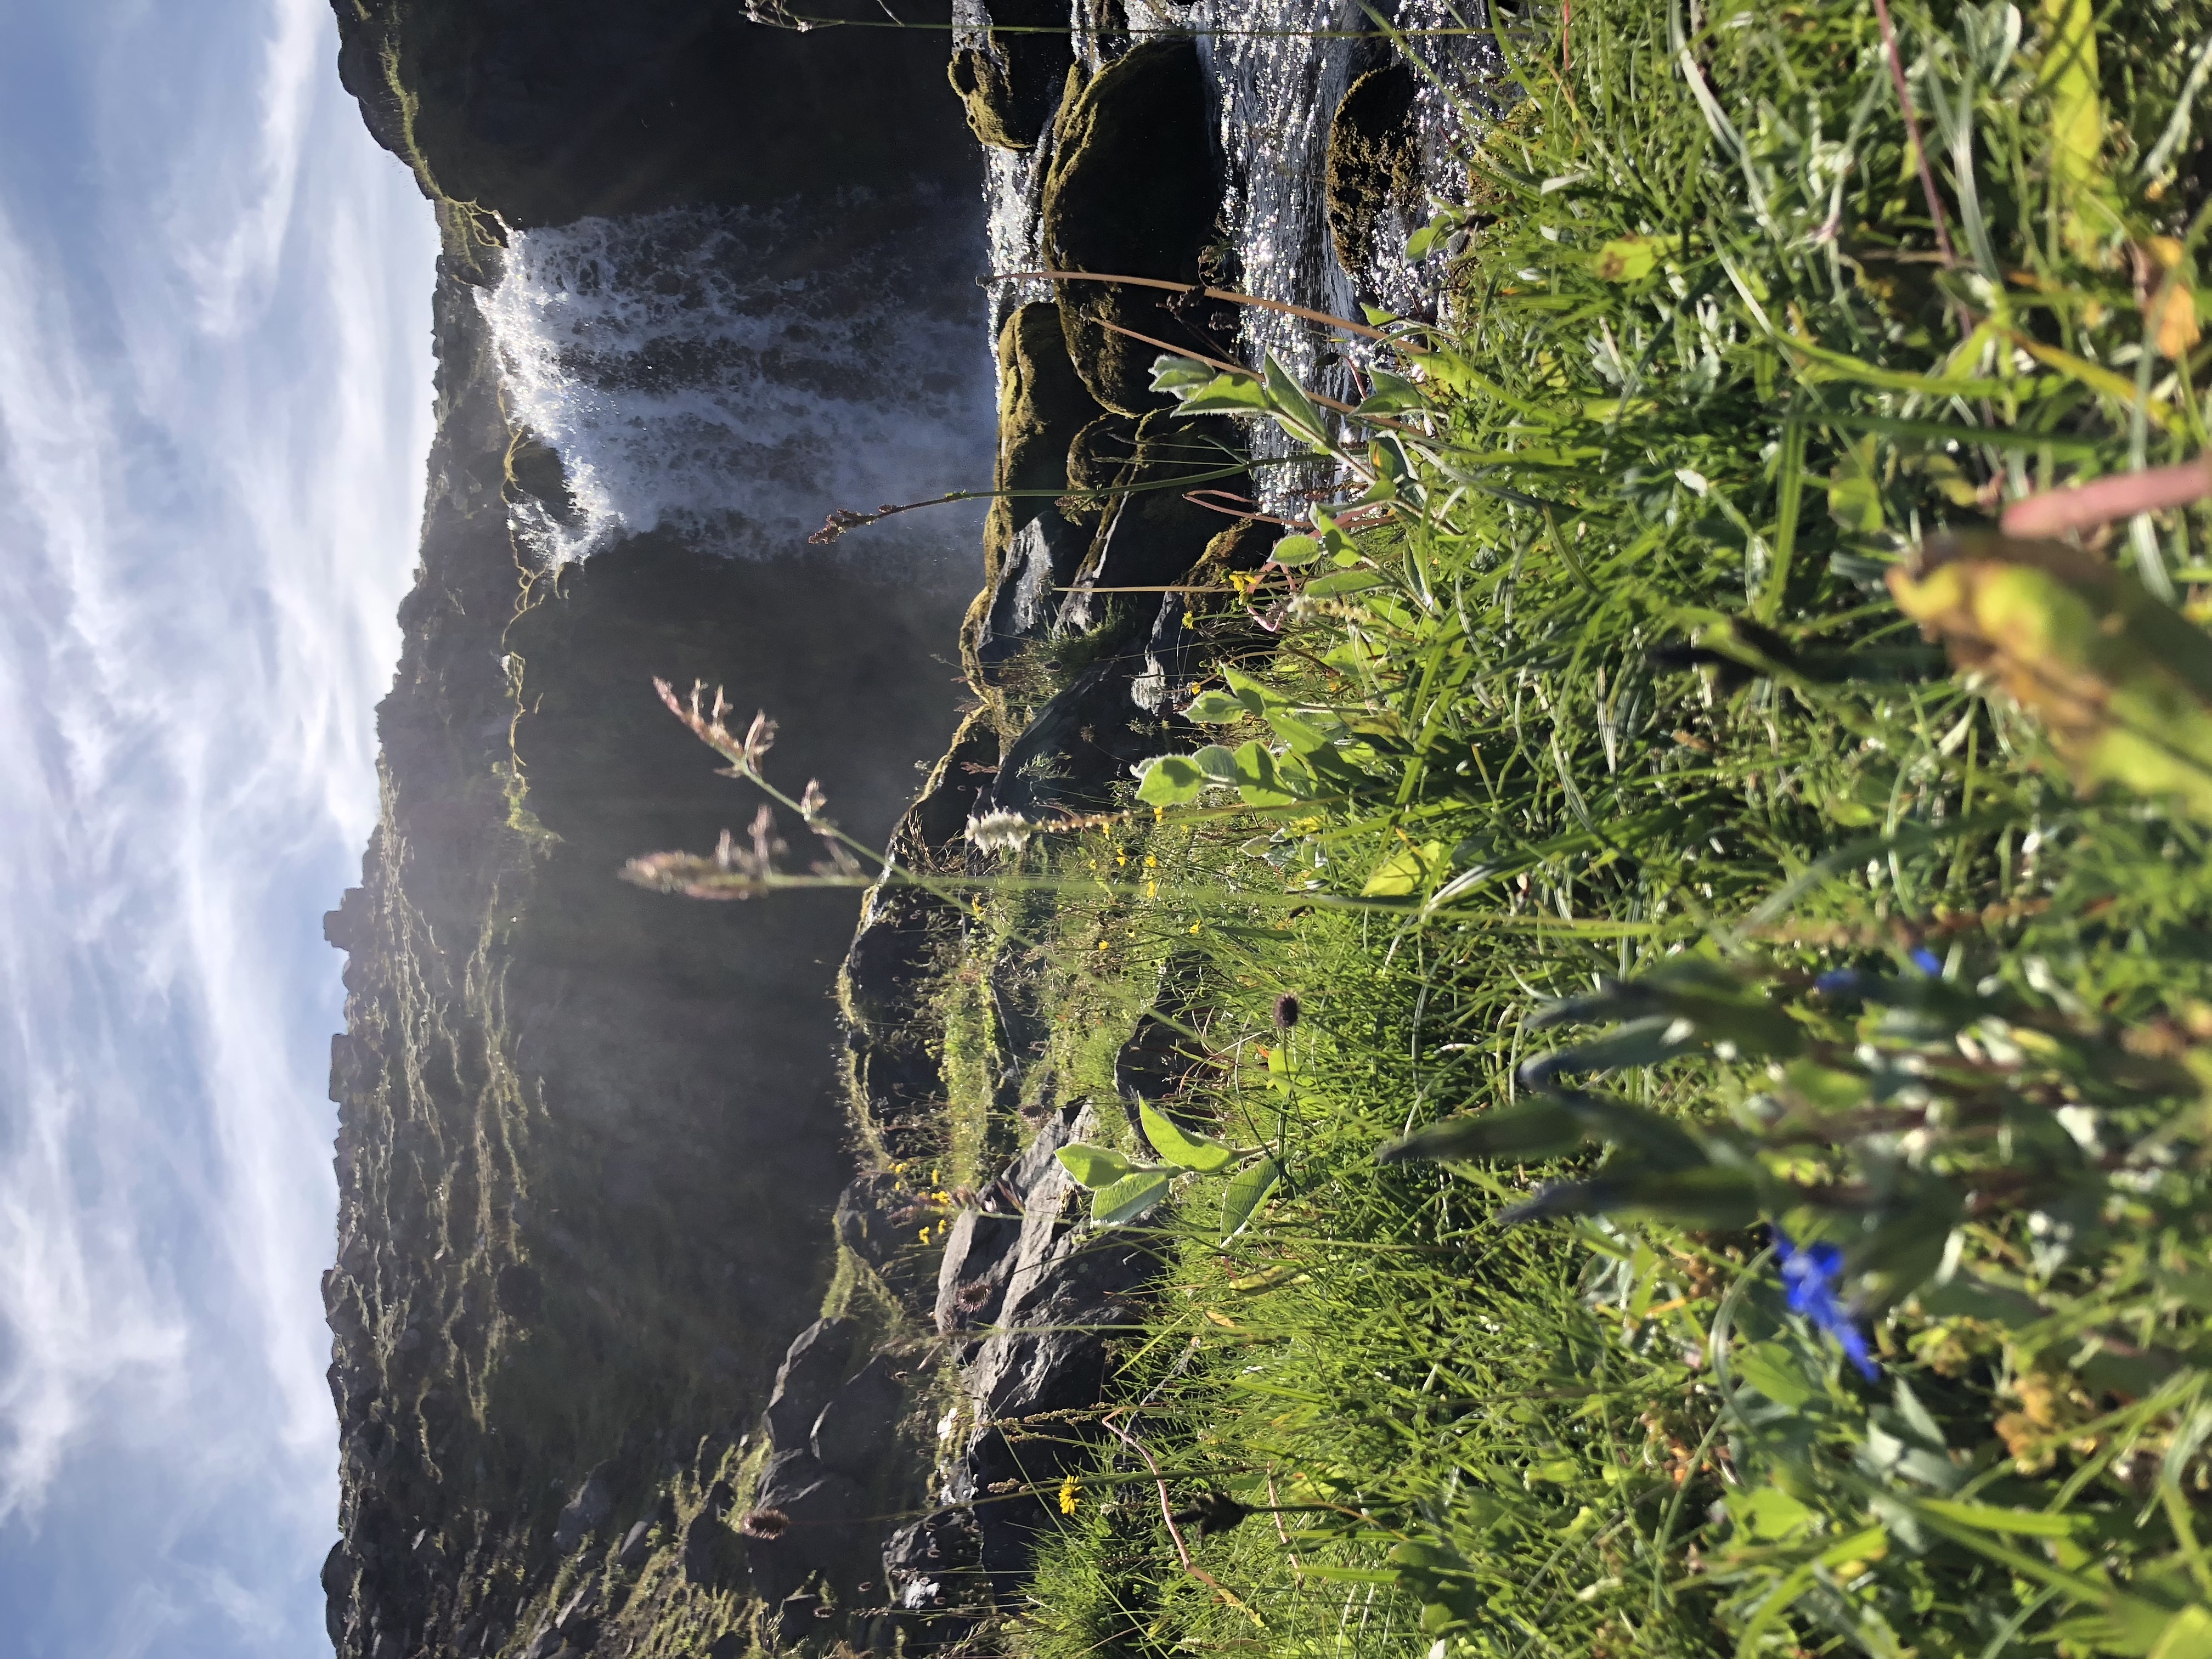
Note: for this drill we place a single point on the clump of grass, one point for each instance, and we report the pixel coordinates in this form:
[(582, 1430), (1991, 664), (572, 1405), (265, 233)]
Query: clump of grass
[(1862, 1309)]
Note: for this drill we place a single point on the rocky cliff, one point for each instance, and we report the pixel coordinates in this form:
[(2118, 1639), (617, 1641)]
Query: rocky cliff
[(590, 1140)]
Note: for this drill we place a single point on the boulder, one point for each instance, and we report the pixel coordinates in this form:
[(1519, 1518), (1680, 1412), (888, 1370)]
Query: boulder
[(1373, 193), (857, 1433), (1154, 536), (586, 1512), (1132, 191), (812, 1367), (1008, 83), (1078, 745)]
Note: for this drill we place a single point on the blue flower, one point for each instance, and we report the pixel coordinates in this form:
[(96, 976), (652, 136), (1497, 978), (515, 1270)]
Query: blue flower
[(1837, 982), (1809, 1273), (1927, 961)]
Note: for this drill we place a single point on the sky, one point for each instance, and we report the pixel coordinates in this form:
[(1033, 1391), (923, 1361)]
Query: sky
[(215, 406)]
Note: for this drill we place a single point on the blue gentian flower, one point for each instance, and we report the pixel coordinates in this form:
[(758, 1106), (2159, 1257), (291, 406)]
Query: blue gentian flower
[(1810, 1274), (1927, 961), (1837, 982)]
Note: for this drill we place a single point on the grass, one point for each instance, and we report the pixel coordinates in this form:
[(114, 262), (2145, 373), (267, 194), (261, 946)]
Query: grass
[(1625, 842)]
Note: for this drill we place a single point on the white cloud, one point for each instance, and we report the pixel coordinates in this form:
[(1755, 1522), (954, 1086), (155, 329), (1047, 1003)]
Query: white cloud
[(214, 409)]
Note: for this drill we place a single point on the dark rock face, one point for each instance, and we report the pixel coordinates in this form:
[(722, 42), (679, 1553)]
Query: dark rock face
[(1133, 191), (541, 112)]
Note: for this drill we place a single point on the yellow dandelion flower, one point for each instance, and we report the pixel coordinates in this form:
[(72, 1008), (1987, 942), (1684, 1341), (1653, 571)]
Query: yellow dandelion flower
[(1150, 862), (1070, 1496), (1102, 944), (1193, 928)]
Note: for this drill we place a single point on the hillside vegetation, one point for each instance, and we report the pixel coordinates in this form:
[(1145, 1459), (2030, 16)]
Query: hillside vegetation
[(1692, 946)]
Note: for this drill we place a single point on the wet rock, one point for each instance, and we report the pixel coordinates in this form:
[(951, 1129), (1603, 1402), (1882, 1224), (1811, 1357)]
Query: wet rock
[(1132, 191), (857, 1430), (1021, 605), (983, 1250), (814, 1518), (586, 1512), (1373, 194), (1154, 536), (1080, 741), (797, 1618), (931, 1565), (519, 1291), (535, 476), (636, 1545), (876, 1221), (812, 1370), (1008, 85)]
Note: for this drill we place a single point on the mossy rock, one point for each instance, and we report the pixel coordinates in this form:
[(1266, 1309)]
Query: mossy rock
[(1132, 191), (1043, 407), (1155, 536), (1008, 87), (1099, 461), (1373, 178)]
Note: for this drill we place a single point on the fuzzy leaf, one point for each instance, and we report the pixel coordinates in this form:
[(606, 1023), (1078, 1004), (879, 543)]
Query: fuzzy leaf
[(1214, 708), (1171, 781), (1130, 1197)]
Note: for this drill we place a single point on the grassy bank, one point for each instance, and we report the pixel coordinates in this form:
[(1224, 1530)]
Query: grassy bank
[(1800, 1244)]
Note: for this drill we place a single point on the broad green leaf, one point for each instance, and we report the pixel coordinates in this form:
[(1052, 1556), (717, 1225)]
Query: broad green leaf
[(1294, 410), (1177, 375), (1260, 781), (1130, 1197), (1218, 764), (1214, 708), (1094, 1166), (1344, 581), (1392, 394), (1767, 1514), (1246, 1192), (1293, 552), (1171, 781), (1200, 1153), (1227, 394)]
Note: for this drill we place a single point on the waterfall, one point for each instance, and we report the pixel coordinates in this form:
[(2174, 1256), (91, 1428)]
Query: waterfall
[(732, 375)]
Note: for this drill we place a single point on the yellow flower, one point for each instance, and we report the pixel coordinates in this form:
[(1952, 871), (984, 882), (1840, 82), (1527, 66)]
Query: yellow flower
[(1071, 1496), (1193, 928)]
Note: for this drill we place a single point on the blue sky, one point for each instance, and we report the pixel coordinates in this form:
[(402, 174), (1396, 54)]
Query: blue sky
[(214, 409)]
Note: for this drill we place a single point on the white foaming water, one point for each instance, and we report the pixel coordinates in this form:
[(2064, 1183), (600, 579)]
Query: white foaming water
[(733, 375), (1277, 85)]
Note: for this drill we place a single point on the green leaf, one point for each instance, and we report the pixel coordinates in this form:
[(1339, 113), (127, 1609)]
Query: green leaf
[(1130, 1197), (1260, 781), (1774, 1371), (1214, 708), (1344, 581), (1178, 375), (1094, 1166), (1218, 764), (1171, 781), (1392, 394), (1227, 394), (1294, 411), (1988, 1518), (1535, 1129), (1293, 552), (1251, 1185), (1626, 259), (1200, 1153)]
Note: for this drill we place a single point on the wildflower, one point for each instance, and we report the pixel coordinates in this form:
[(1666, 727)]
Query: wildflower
[(1193, 928), (744, 754), (1926, 960), (814, 805), (1286, 1011), (764, 1523), (1810, 1274), (1070, 1496), (999, 832)]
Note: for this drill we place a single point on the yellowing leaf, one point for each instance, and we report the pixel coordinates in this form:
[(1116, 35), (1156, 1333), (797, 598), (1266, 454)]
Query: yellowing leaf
[(2121, 682), (1406, 872), (1626, 259)]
